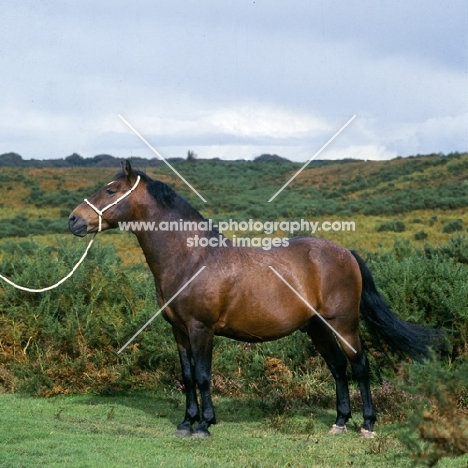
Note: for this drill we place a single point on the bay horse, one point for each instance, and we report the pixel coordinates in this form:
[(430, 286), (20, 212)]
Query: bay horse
[(240, 294)]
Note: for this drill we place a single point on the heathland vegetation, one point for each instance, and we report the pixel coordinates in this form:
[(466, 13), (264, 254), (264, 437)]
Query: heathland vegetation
[(410, 224), (422, 199)]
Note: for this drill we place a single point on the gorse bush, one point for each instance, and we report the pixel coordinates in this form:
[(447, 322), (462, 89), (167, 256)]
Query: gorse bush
[(394, 226), (456, 248), (66, 340), (64, 198), (453, 226), (426, 287), (437, 403), (420, 235), (23, 227)]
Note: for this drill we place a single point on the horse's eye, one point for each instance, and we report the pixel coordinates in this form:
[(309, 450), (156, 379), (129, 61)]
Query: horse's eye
[(110, 192)]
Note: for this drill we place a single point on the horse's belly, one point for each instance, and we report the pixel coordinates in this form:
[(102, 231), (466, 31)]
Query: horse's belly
[(262, 326)]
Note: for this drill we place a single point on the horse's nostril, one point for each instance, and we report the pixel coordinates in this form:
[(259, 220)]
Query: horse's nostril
[(72, 220)]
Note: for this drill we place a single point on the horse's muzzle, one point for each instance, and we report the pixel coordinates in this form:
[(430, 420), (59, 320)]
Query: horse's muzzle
[(77, 225)]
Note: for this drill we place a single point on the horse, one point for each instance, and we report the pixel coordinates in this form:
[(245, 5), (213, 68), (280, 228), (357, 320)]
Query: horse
[(250, 294)]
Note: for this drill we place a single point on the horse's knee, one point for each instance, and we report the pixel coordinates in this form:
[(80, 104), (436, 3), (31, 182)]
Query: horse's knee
[(203, 381)]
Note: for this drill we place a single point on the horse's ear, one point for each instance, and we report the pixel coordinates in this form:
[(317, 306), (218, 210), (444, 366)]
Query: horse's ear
[(127, 168)]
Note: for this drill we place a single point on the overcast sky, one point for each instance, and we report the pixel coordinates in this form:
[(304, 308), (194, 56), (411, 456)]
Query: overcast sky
[(234, 79)]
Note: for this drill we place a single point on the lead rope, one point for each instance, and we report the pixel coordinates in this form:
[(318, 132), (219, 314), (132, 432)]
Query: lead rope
[(23, 288), (80, 261)]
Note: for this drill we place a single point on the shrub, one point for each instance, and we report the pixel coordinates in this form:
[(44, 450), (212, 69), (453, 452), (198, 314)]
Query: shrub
[(394, 226), (453, 226), (23, 227), (420, 235), (428, 289), (65, 340), (438, 397), (456, 248)]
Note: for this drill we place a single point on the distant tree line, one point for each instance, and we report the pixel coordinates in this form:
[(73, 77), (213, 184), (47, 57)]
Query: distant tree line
[(75, 160), (106, 160)]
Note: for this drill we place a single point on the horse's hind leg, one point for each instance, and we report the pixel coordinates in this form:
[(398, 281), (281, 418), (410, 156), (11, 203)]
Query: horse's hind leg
[(351, 344), (335, 358), (360, 367)]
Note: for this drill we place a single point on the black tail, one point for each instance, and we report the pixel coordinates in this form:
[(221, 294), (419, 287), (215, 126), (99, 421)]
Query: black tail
[(402, 337)]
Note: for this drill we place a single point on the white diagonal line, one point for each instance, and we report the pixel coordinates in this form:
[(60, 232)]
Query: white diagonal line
[(312, 158), (161, 309), (310, 307), (158, 155)]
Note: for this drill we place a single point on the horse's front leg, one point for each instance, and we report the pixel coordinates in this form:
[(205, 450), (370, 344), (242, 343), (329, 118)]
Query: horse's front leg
[(201, 341), (192, 413)]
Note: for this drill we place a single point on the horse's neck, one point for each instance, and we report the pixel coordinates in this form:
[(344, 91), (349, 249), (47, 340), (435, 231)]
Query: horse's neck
[(168, 251)]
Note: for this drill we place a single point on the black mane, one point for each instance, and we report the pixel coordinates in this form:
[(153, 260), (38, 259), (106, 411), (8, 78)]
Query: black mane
[(164, 194)]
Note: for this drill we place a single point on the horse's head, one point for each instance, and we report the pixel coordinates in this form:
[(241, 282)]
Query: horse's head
[(106, 207)]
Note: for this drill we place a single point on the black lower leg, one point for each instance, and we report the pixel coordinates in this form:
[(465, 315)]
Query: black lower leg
[(208, 415), (192, 412), (343, 404), (336, 361), (202, 346), (360, 368)]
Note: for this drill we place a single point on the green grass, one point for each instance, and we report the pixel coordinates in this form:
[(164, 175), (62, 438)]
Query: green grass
[(137, 430)]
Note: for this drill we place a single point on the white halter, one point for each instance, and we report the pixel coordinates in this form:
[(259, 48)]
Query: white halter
[(99, 212)]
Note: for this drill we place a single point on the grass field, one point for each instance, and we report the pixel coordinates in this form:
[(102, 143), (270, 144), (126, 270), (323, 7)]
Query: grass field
[(137, 430)]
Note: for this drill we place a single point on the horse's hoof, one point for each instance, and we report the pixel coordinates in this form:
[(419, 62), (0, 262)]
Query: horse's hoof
[(201, 434), (337, 429), (183, 433), (365, 434)]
